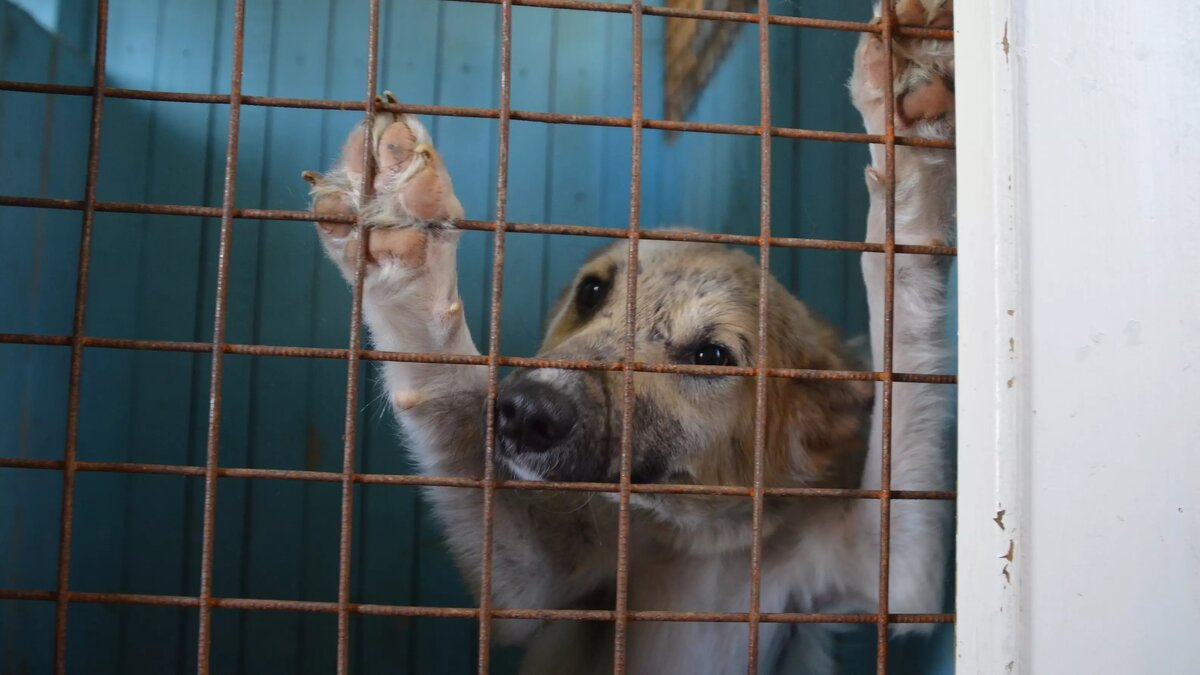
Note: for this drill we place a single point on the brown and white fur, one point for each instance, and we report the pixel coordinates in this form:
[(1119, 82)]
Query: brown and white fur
[(558, 550)]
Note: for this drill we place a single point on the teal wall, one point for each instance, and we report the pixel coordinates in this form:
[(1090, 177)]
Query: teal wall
[(153, 276)]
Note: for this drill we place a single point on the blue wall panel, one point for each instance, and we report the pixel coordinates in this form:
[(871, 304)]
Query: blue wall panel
[(153, 278)]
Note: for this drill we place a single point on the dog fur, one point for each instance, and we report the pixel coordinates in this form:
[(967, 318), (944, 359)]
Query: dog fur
[(687, 552)]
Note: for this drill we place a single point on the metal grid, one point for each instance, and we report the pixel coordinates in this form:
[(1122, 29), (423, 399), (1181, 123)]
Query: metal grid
[(205, 602)]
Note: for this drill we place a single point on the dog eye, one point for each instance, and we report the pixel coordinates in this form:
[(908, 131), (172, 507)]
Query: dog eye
[(591, 294), (712, 355)]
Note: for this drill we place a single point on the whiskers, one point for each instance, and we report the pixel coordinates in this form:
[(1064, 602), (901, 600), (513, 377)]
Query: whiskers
[(380, 400)]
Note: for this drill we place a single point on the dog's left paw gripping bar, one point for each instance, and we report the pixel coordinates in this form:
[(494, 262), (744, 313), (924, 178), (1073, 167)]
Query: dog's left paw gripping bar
[(411, 188)]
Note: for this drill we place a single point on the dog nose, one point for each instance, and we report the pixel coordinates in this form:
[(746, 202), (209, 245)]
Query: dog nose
[(532, 416)]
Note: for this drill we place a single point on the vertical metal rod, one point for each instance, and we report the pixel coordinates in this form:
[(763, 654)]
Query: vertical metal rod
[(760, 378), (493, 356), (889, 298), (621, 620), (211, 461), (353, 362), (70, 451), (211, 470)]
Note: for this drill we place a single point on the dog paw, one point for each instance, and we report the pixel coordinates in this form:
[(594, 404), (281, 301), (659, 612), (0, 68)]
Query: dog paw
[(411, 181), (393, 255), (411, 185), (412, 196), (922, 73), (929, 13), (413, 267)]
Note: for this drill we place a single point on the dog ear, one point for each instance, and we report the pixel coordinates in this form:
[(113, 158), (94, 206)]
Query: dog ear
[(817, 427)]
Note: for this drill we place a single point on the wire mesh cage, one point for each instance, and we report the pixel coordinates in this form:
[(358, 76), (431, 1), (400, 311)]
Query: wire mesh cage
[(225, 490)]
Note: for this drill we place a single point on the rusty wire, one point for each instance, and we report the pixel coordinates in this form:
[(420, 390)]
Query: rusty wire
[(485, 226), (212, 449), (481, 113), (720, 15), (311, 606), (458, 482), (889, 308), (353, 358), (628, 357), (493, 355), (348, 477), (70, 452), (760, 380), (467, 360)]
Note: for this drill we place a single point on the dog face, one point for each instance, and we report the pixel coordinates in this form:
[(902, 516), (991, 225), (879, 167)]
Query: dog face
[(696, 304)]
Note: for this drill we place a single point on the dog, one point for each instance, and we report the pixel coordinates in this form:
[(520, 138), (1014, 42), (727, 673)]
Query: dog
[(696, 303)]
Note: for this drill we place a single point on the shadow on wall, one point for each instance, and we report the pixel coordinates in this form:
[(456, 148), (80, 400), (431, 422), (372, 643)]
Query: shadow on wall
[(152, 277)]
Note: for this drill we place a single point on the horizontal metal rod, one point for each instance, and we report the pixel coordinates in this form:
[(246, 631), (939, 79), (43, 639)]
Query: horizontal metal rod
[(481, 113), (455, 482), (739, 17), (485, 226), (205, 602), (475, 360), (312, 606)]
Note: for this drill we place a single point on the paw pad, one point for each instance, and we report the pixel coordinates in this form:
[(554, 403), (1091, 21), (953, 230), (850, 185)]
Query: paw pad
[(411, 191), (922, 70), (926, 13)]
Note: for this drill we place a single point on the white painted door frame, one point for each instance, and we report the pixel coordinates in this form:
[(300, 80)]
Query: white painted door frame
[(1079, 337), (993, 429)]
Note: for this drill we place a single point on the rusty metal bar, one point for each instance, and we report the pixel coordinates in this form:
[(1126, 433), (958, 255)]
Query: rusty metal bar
[(462, 359), (70, 451), (629, 356), (889, 321), (309, 606), (220, 316), (888, 29), (458, 482), (353, 357), (482, 113), (493, 355), (489, 226), (620, 641), (760, 382), (719, 15)]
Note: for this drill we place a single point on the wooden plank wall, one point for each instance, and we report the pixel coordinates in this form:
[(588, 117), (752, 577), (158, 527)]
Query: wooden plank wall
[(153, 278)]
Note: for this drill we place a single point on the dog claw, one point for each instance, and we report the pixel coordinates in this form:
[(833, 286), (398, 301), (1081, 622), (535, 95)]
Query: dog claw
[(424, 149), (312, 178), (450, 312), (382, 115)]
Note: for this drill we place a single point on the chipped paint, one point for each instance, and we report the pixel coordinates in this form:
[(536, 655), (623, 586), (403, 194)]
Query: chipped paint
[(994, 412)]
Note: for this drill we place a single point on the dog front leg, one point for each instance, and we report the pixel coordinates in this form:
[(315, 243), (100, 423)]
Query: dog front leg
[(411, 305), (924, 198)]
